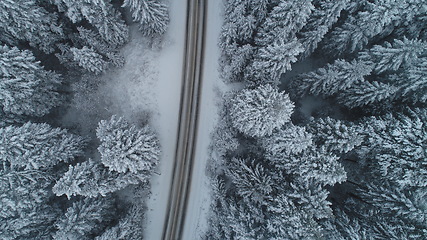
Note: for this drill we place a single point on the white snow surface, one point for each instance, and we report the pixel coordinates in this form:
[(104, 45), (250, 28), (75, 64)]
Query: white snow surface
[(168, 89), (199, 200)]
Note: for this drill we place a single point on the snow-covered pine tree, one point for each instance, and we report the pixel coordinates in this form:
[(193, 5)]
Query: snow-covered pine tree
[(413, 82), (37, 146), (391, 56), (257, 112), (101, 14), (88, 59), (25, 21), (124, 148), (313, 165), (377, 18), (335, 135), (25, 87), (91, 179), (367, 93), (23, 191), (129, 227), (85, 218), (407, 204), (286, 141), (284, 21), (35, 224), (331, 79), (271, 61), (251, 180), (286, 220), (152, 15), (325, 14), (94, 40), (397, 144)]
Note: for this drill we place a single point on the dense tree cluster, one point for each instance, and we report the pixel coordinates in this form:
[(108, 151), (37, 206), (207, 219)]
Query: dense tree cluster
[(353, 166), (43, 45)]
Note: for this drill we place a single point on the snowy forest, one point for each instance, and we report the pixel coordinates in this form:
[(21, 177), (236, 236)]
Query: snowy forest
[(63, 181), (324, 135)]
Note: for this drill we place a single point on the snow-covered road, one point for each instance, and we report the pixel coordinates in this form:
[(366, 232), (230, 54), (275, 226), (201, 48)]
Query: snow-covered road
[(199, 199), (169, 66)]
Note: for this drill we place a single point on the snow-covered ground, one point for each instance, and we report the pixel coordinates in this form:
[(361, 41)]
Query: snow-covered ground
[(199, 200), (168, 88)]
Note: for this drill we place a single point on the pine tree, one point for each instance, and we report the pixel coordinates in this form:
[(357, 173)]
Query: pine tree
[(23, 191), (406, 204), (397, 145), (313, 164), (375, 19), (272, 61), (101, 14), (319, 23), (391, 56), (85, 218), (124, 148), (367, 93), (331, 79), (94, 40), (257, 112), (286, 141), (129, 227), (88, 59), (91, 178), (336, 136), (284, 21), (152, 15), (413, 82), (35, 224), (25, 87), (37, 146), (251, 180), (26, 21)]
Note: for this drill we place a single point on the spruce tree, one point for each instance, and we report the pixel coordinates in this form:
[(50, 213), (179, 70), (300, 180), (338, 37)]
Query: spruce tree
[(91, 179), (25, 21), (88, 59), (152, 15), (124, 148), (37, 146), (85, 218), (257, 112), (25, 87)]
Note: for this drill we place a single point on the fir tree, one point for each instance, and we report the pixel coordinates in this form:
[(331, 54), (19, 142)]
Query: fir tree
[(336, 136), (397, 145), (152, 15), (284, 21), (257, 112), (319, 23), (331, 79), (391, 56), (367, 93), (273, 60), (129, 227), (35, 224), (252, 181), (37, 146), (286, 141), (84, 218), (124, 148), (91, 178), (25, 87), (101, 15), (88, 59), (26, 21), (375, 19)]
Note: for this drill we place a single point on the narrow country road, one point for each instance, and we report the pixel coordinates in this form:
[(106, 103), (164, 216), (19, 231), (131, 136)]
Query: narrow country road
[(188, 120)]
